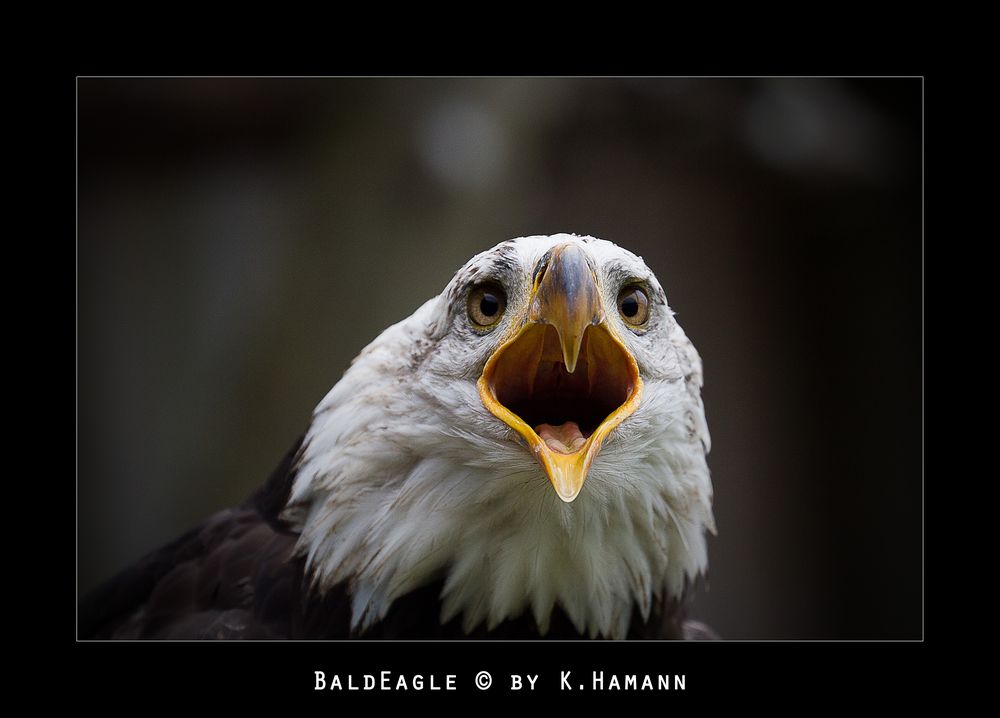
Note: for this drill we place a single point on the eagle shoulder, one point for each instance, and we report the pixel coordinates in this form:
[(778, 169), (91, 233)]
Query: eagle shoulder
[(232, 577)]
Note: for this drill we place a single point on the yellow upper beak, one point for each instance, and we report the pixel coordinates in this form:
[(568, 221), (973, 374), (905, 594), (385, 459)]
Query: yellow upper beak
[(563, 372)]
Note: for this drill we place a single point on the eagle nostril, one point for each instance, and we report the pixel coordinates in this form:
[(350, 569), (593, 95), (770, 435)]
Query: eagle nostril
[(540, 268)]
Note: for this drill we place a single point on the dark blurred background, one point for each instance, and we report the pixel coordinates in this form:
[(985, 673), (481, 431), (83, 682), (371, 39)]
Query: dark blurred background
[(240, 240)]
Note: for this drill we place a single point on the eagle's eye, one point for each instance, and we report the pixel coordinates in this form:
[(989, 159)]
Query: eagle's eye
[(633, 304), (486, 305)]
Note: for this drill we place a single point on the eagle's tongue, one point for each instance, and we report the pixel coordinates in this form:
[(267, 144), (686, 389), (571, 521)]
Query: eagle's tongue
[(564, 439)]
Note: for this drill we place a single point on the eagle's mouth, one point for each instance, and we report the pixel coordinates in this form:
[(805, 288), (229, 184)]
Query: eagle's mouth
[(562, 416), (531, 380)]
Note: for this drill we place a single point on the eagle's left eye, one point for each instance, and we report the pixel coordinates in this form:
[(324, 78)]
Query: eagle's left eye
[(633, 304), (487, 303)]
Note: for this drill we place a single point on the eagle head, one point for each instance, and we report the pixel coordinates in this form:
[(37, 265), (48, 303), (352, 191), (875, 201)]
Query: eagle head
[(534, 436)]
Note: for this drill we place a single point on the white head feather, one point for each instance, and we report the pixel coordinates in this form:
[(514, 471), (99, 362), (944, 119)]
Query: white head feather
[(406, 478)]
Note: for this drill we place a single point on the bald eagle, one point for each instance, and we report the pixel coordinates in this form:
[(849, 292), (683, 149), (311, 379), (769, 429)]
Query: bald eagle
[(523, 457)]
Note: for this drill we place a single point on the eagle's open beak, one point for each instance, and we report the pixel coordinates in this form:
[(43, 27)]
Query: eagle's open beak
[(563, 380)]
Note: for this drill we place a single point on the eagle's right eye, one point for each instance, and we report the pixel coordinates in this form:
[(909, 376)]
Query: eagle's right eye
[(486, 305)]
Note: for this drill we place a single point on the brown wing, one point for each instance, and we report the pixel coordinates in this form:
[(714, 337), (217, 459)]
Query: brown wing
[(231, 577), (217, 581)]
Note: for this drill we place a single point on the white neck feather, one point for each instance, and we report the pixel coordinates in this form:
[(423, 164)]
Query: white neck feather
[(393, 493)]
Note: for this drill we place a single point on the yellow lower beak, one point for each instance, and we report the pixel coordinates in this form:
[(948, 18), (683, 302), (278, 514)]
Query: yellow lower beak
[(563, 381)]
